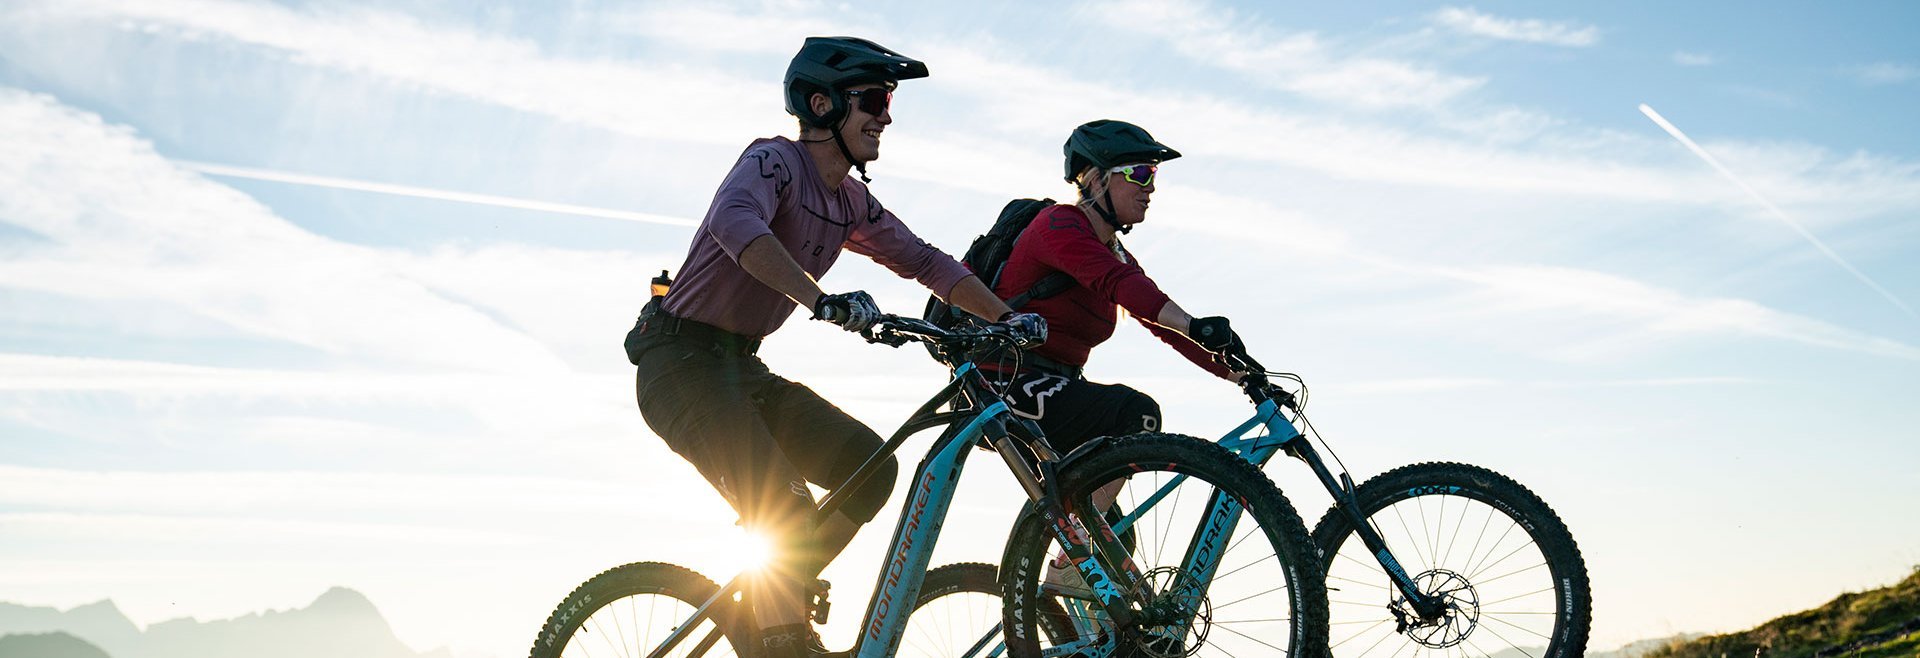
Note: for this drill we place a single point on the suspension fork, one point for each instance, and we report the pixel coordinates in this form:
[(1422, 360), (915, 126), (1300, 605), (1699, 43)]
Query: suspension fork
[(1342, 489), (1034, 466)]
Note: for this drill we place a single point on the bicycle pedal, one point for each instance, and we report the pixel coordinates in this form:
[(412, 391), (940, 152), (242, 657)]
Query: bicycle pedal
[(817, 603)]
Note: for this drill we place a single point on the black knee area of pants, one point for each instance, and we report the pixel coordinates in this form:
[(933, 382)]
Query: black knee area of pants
[(1138, 413), (865, 503)]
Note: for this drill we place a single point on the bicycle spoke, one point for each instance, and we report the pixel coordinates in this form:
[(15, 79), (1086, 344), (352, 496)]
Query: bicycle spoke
[(1455, 539), (1478, 568), (1495, 579), (1256, 640), (1250, 596), (1517, 627), (1475, 574)]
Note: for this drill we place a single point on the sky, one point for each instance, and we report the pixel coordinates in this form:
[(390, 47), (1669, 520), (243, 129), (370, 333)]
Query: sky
[(330, 293)]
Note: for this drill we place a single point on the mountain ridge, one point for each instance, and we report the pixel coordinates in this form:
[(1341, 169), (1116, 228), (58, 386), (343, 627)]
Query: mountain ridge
[(340, 623)]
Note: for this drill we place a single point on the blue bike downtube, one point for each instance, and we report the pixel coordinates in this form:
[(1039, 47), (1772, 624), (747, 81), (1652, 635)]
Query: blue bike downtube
[(921, 519), (1209, 545)]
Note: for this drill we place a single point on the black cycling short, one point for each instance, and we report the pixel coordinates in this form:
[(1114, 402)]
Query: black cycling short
[(755, 436), (1070, 410)]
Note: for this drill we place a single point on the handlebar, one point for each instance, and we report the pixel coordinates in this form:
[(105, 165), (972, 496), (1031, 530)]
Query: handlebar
[(895, 330)]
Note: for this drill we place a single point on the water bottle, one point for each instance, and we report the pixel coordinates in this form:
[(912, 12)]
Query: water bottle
[(659, 287)]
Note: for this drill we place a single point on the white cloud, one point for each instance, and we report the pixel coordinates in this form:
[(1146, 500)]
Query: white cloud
[(772, 30), (1529, 30), (1585, 315), (1296, 62), (1885, 73), (175, 236), (1027, 102), (511, 72), (1046, 100), (364, 497), (1685, 58)]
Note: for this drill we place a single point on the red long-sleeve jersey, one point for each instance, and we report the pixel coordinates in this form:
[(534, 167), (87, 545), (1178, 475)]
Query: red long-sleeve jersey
[(1061, 239)]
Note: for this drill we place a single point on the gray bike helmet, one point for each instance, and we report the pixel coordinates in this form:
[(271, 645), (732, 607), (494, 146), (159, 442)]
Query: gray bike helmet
[(1109, 143), (827, 65)]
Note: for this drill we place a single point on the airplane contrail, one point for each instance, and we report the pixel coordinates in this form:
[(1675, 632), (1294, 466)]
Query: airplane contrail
[(1777, 212), (429, 193)]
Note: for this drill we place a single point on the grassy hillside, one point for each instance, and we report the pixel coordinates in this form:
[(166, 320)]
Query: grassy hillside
[(47, 645), (1881, 623)]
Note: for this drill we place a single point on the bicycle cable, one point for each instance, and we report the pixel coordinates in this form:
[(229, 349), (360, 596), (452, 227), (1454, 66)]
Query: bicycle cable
[(1300, 411)]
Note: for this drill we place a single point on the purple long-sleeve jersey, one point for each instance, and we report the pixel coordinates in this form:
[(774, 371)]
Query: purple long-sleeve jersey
[(775, 189)]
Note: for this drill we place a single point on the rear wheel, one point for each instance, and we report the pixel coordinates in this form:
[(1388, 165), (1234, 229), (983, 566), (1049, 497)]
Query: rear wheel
[(1232, 576), (1505, 565), (628, 610)]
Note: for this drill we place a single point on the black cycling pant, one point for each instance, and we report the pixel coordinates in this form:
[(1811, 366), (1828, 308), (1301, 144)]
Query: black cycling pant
[(757, 437), (1071, 411)]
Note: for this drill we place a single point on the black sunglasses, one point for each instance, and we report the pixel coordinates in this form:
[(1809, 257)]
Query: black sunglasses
[(872, 101)]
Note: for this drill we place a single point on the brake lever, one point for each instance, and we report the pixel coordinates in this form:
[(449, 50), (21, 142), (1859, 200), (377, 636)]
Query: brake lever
[(890, 338), (1023, 341), (880, 333)]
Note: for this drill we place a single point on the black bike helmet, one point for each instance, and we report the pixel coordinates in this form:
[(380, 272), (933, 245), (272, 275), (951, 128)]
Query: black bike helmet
[(827, 65), (1109, 143)]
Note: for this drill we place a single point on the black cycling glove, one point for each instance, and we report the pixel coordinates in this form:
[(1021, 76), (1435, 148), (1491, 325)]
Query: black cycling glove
[(1214, 334), (853, 311)]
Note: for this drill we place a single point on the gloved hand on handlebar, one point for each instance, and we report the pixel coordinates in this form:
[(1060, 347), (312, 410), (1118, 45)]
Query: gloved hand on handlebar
[(853, 311), (1215, 334), (1029, 329)]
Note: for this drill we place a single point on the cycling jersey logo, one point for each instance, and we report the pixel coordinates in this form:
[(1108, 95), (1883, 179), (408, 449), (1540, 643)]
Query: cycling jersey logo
[(778, 171)]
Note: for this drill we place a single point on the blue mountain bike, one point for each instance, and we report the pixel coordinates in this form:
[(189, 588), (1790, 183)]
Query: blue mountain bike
[(657, 610), (1432, 559)]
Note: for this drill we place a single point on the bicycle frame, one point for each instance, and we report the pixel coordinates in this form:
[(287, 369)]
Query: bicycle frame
[(924, 512), (1280, 436)]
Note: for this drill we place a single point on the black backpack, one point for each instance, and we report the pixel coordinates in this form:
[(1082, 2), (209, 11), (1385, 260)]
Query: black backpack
[(988, 255)]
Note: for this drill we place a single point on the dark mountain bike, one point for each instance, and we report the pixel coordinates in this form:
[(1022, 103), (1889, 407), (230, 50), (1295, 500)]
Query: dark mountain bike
[(655, 610), (1427, 559)]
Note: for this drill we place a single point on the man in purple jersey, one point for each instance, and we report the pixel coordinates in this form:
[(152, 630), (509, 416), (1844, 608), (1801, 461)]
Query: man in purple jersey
[(778, 222)]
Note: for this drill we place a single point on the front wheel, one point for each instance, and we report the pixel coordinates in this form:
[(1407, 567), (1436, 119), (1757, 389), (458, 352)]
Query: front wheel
[(628, 610), (1228, 567), (1507, 569)]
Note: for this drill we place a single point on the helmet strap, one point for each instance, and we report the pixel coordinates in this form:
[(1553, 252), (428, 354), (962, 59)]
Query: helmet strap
[(841, 142), (1107, 213)]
